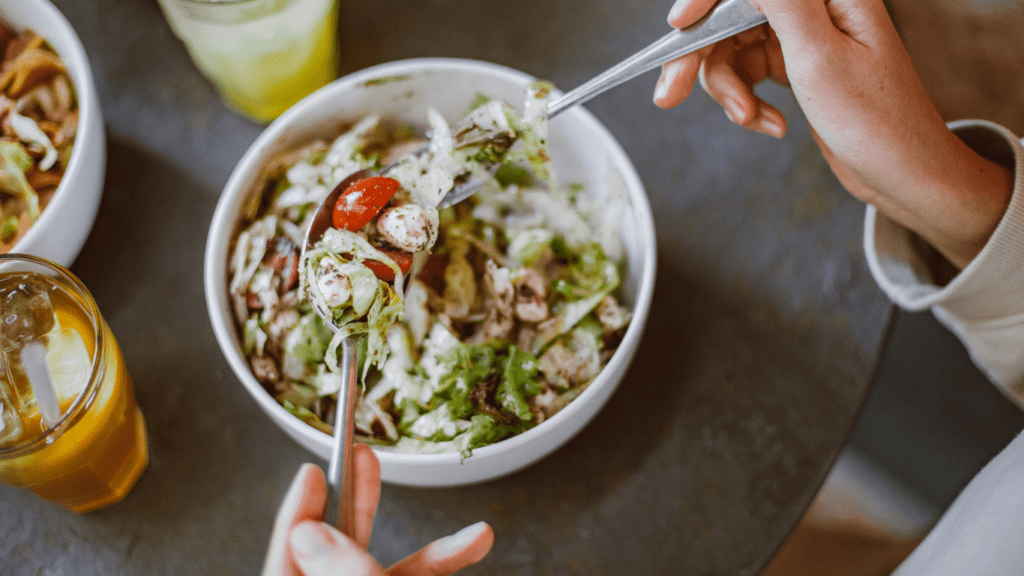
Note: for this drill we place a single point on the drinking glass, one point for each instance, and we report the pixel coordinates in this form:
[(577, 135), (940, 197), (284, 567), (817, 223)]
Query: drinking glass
[(263, 55), (91, 449)]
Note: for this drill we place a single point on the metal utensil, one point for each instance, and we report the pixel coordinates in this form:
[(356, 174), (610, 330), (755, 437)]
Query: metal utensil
[(728, 18), (340, 509), (340, 502)]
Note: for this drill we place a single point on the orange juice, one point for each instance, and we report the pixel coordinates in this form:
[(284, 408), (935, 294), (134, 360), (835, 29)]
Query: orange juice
[(95, 452)]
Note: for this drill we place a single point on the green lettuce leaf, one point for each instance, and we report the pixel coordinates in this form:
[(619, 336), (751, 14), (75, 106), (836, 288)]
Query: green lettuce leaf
[(483, 430), (304, 347), (518, 382)]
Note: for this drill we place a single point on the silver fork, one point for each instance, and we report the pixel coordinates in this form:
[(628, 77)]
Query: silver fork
[(728, 18)]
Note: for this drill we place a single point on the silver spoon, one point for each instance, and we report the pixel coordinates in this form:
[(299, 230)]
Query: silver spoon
[(728, 18), (340, 507)]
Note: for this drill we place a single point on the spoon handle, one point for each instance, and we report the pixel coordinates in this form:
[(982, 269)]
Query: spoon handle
[(728, 18), (340, 505)]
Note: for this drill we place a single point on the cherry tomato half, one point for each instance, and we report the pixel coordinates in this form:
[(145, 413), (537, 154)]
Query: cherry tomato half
[(383, 271), (362, 200)]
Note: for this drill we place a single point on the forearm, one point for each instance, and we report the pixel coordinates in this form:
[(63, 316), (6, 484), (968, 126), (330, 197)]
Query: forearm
[(983, 304), (954, 199)]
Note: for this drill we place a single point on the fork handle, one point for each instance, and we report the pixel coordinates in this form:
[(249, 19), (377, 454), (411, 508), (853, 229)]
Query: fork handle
[(728, 18), (340, 482)]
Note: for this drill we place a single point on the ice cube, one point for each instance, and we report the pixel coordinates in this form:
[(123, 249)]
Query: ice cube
[(33, 360), (27, 313), (69, 361), (10, 421)]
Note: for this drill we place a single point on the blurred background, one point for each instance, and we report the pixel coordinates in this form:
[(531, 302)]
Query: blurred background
[(932, 420)]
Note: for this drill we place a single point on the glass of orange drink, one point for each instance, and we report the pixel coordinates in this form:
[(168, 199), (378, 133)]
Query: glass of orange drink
[(83, 446)]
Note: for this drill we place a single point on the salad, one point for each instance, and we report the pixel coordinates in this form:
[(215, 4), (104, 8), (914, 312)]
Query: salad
[(482, 319), (38, 124)]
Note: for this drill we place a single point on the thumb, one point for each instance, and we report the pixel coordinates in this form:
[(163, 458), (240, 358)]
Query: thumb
[(799, 24), (321, 550)]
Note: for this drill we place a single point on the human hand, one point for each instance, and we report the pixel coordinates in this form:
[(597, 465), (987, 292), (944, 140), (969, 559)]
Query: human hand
[(868, 112), (301, 544)]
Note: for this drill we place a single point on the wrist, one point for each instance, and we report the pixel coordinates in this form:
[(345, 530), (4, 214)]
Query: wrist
[(971, 195), (950, 195)]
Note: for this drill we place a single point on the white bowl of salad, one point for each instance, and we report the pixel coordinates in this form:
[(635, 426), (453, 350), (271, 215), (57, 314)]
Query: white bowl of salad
[(52, 150), (516, 322)]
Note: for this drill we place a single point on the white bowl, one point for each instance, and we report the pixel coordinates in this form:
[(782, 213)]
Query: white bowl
[(584, 151), (61, 230)]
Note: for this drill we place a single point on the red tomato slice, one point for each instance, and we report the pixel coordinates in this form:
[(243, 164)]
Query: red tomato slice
[(383, 271), (362, 200)]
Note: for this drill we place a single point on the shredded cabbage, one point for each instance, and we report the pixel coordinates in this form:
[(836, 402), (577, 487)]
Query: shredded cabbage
[(508, 318)]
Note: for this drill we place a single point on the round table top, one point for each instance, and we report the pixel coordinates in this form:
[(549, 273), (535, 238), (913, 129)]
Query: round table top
[(759, 351)]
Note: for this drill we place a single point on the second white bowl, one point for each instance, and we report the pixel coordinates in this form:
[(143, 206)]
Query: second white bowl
[(64, 225)]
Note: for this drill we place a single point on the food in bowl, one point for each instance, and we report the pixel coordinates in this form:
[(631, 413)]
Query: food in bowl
[(509, 317), (354, 274), (38, 125)]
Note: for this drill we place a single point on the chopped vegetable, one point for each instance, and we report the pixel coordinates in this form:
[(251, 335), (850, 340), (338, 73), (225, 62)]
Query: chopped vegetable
[(511, 311), (362, 200), (14, 162), (384, 271), (38, 123)]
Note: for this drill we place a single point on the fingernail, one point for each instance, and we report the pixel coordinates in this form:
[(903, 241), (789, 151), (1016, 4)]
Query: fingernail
[(677, 9), (449, 545), (734, 109), (661, 88), (668, 75), (294, 493), (774, 128), (311, 541)]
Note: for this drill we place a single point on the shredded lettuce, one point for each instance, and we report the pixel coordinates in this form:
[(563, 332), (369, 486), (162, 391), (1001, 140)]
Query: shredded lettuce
[(253, 337), (339, 287), (472, 365), (460, 289), (308, 417), (590, 278), (518, 381), (482, 430), (507, 319), (14, 162), (529, 245), (304, 347)]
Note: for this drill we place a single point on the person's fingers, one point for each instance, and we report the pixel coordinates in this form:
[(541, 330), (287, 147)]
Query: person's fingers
[(799, 24), (755, 36), (729, 77), (751, 65), (862, 20), (767, 120), (686, 12), (449, 554), (774, 61), (367, 492), (304, 501), (720, 80), (321, 550), (676, 81)]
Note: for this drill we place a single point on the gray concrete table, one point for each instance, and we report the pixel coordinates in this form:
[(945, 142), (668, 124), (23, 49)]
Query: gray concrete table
[(756, 359)]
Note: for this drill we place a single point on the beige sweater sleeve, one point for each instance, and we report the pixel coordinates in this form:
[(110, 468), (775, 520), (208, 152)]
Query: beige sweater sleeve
[(984, 303)]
